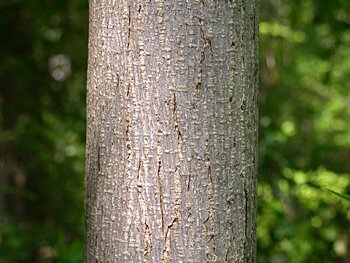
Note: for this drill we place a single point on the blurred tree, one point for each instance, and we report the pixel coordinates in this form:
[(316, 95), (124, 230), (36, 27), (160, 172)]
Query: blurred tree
[(42, 74), (305, 136)]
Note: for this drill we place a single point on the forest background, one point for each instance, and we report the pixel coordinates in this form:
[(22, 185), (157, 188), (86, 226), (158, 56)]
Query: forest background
[(304, 130)]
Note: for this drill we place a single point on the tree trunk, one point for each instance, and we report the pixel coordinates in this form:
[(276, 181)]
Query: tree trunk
[(172, 131)]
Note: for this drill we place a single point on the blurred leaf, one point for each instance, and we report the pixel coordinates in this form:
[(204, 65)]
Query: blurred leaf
[(344, 196)]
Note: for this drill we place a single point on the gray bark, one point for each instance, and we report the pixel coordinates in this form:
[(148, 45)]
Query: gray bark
[(171, 131)]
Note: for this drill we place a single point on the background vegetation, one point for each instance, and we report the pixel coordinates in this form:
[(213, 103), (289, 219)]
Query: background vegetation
[(304, 135)]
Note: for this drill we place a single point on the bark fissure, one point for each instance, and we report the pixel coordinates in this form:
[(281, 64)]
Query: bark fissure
[(148, 240), (161, 193), (176, 122), (166, 240), (128, 138), (171, 142), (129, 30), (246, 223), (99, 159)]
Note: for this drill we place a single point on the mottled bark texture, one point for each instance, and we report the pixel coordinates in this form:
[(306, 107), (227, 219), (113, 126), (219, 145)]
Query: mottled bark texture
[(172, 131)]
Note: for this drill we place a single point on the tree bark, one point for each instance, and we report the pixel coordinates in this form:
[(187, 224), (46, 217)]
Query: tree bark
[(172, 131)]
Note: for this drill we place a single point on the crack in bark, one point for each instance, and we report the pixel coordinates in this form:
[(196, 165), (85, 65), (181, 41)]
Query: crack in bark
[(176, 123), (161, 192), (128, 48), (207, 40), (128, 148), (129, 29), (189, 182), (128, 136), (139, 184), (207, 159), (201, 64), (198, 85), (206, 220), (148, 248), (118, 82), (202, 57), (246, 216), (167, 235), (98, 159), (209, 174), (128, 90), (139, 9), (212, 257)]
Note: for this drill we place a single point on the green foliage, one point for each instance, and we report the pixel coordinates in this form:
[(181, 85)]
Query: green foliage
[(304, 135), (346, 197), (42, 129)]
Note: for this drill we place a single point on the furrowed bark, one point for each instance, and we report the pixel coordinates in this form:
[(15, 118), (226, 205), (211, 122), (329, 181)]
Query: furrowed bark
[(171, 131)]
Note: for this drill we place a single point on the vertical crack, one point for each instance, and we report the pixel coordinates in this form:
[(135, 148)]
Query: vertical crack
[(166, 247), (176, 122), (246, 216), (99, 159), (209, 174), (148, 248), (160, 193), (189, 182), (128, 136), (201, 62), (147, 231), (128, 90), (139, 183), (127, 165), (129, 29), (117, 87), (139, 9)]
